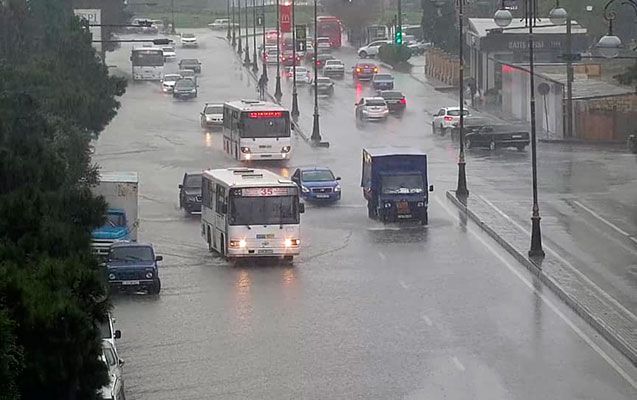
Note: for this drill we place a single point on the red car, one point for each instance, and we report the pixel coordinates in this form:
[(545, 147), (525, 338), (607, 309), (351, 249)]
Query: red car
[(364, 71), (287, 59)]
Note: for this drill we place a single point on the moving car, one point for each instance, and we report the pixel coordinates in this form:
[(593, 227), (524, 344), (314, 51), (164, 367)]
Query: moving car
[(371, 108), (418, 48), (219, 23), (168, 82), (324, 85), (364, 71), (190, 193), (303, 75), (133, 265), (447, 118), (185, 88), (191, 64), (470, 123), (169, 53), (321, 59), (114, 389), (497, 136), (188, 74), (212, 115), (395, 100), (288, 57), (383, 82), (323, 43), (188, 40), (334, 67), (317, 184), (270, 56), (371, 49)]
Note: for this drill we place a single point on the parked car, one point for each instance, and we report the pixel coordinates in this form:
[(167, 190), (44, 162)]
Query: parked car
[(418, 48), (324, 85), (219, 23), (212, 115), (471, 123), (188, 40), (133, 265), (395, 100), (372, 108), (169, 53), (190, 193), (447, 118), (334, 67), (168, 82), (302, 75), (185, 88), (383, 82), (317, 184), (497, 136), (108, 333), (371, 49), (190, 63), (114, 389), (364, 71)]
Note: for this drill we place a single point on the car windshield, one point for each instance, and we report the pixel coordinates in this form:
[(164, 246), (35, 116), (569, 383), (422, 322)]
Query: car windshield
[(392, 95), (186, 73), (168, 49), (383, 77), (269, 210), (171, 78), (185, 84), (334, 62), (376, 103), (189, 61), (193, 181), (456, 113), (131, 254), (213, 110), (188, 35), (402, 184), (321, 175), (105, 330)]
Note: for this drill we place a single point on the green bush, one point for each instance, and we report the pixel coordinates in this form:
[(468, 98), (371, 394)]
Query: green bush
[(394, 55)]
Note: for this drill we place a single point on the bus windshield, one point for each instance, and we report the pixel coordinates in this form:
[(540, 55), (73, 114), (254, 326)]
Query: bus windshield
[(270, 210), (148, 58), (265, 124)]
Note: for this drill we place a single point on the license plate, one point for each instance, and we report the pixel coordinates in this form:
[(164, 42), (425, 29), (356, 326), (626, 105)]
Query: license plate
[(265, 251), (130, 283), (322, 196), (266, 155)]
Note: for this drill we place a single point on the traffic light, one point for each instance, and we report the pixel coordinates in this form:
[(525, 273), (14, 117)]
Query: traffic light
[(398, 38)]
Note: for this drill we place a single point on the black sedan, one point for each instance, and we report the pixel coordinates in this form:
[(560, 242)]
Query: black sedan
[(185, 89), (471, 124), (395, 100), (498, 136)]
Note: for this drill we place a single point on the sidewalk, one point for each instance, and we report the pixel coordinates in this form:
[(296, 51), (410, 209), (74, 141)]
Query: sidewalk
[(613, 321)]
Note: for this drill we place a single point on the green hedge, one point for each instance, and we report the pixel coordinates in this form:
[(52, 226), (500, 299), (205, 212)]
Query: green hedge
[(394, 55)]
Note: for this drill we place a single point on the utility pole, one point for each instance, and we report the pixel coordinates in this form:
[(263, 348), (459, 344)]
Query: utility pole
[(569, 79), (240, 46), (461, 190), (255, 66), (278, 94), (246, 61)]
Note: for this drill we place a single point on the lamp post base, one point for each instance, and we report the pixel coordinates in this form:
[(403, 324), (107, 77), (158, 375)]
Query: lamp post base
[(278, 94), (536, 250), (295, 104), (462, 191), (246, 60), (316, 135)]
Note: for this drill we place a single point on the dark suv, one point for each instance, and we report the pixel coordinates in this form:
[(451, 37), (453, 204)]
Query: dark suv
[(133, 266), (190, 193)]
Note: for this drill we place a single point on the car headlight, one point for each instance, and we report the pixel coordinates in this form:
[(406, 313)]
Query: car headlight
[(149, 275), (305, 189), (337, 188), (420, 204), (285, 149), (193, 91), (209, 119), (365, 111), (387, 205), (111, 277)]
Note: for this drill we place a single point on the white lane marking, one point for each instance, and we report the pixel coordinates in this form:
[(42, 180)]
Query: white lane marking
[(427, 320), (604, 220), (382, 256), (544, 299), (403, 284), (457, 363), (383, 228), (568, 264)]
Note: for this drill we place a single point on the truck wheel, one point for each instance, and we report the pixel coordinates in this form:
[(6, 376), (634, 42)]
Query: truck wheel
[(371, 210), (155, 288), (424, 219)]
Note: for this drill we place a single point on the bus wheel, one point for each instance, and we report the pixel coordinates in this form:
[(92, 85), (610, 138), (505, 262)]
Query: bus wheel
[(210, 247), (288, 259)]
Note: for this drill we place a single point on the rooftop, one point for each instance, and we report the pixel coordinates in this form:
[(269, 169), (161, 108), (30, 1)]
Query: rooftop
[(481, 27)]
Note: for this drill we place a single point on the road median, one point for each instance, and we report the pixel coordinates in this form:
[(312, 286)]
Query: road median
[(613, 321)]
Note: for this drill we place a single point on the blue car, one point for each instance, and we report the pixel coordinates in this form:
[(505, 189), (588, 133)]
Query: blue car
[(133, 266), (383, 82), (317, 184)]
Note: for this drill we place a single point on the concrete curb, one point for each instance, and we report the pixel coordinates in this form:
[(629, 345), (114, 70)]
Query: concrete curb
[(599, 325)]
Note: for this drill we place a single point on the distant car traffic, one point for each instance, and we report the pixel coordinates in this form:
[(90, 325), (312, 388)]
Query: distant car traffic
[(169, 53), (371, 49), (334, 67), (220, 23), (324, 85), (133, 266), (188, 40), (498, 136), (372, 108), (323, 43), (395, 100), (168, 82), (190, 63), (212, 115), (302, 75), (364, 71), (270, 55), (383, 82), (317, 184), (288, 57), (321, 59), (185, 88), (446, 119), (190, 193)]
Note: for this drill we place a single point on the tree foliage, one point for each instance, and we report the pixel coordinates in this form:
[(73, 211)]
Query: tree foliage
[(394, 54), (55, 95), (439, 25), (113, 12)]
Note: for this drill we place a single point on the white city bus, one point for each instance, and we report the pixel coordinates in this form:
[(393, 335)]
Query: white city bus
[(256, 130), (249, 213), (148, 63)]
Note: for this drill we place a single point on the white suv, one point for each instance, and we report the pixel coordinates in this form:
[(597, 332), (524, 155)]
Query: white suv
[(372, 48), (188, 40), (447, 118)]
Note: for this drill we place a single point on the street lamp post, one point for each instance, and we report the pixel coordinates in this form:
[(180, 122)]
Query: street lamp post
[(240, 45), (609, 45), (228, 35), (265, 69), (255, 66), (295, 100), (246, 61), (461, 190), (503, 18), (234, 24), (172, 12), (316, 134), (278, 94)]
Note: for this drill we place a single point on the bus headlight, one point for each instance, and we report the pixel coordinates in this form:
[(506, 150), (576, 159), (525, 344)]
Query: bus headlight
[(387, 205), (285, 149), (238, 243), (245, 150), (305, 190), (292, 242)]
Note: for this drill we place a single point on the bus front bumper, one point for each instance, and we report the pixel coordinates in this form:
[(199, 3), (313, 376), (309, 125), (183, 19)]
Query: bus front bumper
[(248, 252), (265, 156)]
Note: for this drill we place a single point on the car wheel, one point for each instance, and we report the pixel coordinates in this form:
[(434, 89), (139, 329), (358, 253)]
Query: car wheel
[(468, 143), (288, 259), (371, 210), (441, 131), (492, 145), (433, 128), (424, 218), (362, 54), (155, 288)]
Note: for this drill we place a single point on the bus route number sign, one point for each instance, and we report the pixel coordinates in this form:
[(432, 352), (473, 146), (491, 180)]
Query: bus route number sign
[(265, 192)]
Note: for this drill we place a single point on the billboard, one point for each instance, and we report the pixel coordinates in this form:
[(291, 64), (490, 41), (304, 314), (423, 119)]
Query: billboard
[(285, 13), (94, 17)]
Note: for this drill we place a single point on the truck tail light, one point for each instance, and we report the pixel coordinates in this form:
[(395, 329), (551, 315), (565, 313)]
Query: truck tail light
[(403, 101), (292, 242)]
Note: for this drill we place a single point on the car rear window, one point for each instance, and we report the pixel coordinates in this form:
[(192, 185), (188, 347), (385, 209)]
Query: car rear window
[(456, 113), (376, 102)]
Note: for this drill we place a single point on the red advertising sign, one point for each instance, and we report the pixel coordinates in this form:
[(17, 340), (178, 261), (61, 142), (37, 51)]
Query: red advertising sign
[(285, 13)]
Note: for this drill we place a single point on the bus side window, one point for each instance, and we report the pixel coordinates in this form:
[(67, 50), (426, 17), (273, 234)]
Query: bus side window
[(220, 200), (207, 194)]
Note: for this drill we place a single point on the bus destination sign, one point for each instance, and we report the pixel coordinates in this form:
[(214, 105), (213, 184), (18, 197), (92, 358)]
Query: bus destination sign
[(265, 192)]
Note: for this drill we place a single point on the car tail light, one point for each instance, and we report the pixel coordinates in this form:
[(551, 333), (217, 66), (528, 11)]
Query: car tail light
[(403, 101), (448, 118)]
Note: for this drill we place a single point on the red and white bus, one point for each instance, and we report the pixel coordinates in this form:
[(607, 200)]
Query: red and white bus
[(332, 28)]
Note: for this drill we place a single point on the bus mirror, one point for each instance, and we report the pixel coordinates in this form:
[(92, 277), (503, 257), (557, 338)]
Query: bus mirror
[(431, 188), (292, 126), (301, 208)]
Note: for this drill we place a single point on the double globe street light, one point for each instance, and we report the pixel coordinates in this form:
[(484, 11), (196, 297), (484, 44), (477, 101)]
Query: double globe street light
[(610, 45)]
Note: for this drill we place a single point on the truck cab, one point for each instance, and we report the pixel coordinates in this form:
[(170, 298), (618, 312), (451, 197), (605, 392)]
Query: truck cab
[(395, 184), (115, 229)]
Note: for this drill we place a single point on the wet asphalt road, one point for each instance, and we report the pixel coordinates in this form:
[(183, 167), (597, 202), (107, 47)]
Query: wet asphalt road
[(368, 311)]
